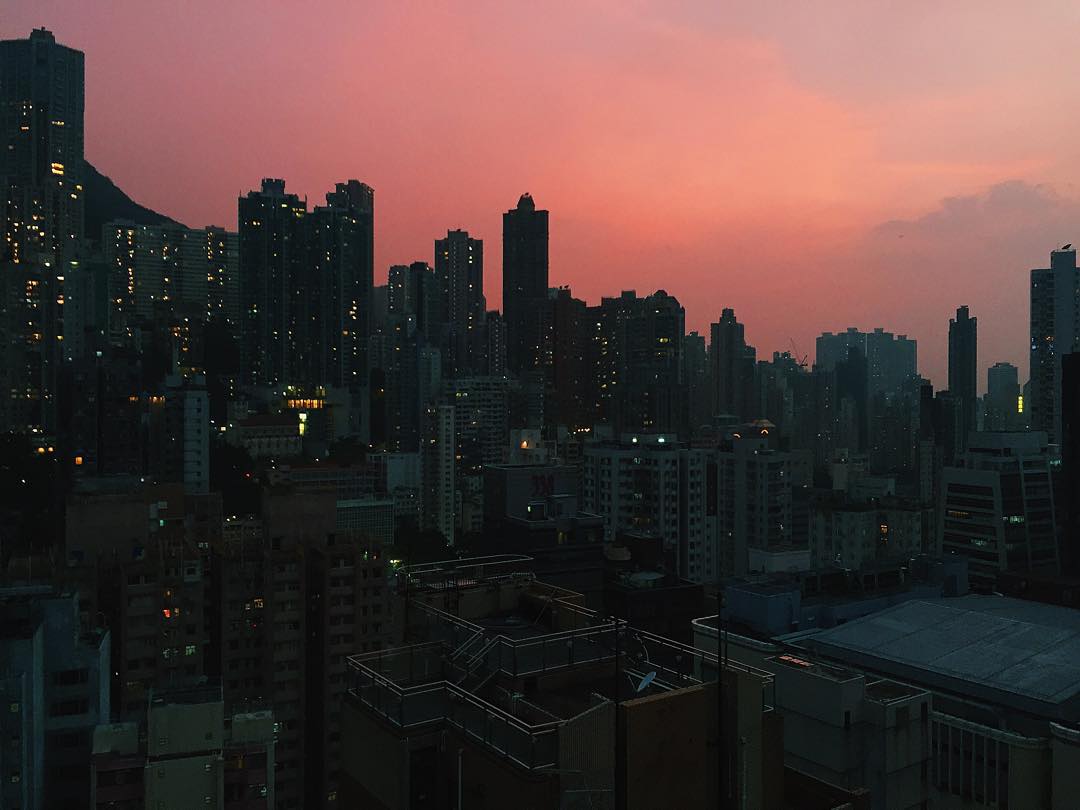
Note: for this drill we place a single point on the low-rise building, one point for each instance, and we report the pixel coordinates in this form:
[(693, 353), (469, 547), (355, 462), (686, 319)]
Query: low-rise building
[(1004, 677), (513, 695)]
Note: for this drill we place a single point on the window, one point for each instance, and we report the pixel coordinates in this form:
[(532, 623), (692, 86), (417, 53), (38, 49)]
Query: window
[(65, 708), (70, 677)]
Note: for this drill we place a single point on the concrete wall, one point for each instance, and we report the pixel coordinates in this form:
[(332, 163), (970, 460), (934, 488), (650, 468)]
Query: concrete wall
[(1065, 750), (374, 763), (185, 783), (665, 748), (178, 728)]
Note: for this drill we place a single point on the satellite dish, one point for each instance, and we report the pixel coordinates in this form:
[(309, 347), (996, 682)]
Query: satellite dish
[(648, 679)]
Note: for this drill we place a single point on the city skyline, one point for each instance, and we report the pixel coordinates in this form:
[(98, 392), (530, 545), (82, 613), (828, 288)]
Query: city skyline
[(622, 149), (670, 512)]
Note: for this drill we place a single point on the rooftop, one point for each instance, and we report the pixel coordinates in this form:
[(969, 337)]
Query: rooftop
[(488, 676), (1021, 654)]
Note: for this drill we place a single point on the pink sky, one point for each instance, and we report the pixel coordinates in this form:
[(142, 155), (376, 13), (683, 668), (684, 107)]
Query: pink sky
[(813, 165)]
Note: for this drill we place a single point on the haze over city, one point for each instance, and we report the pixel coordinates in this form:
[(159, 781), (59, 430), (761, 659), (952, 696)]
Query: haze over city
[(814, 167)]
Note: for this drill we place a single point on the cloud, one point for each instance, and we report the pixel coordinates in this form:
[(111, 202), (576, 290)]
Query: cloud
[(973, 249)]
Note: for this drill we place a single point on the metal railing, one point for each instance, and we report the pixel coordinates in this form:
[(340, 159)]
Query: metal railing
[(426, 683), (531, 746)]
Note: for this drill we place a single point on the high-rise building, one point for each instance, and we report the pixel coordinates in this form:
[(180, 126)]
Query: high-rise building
[(167, 272), (650, 486), (306, 282), (459, 273), (997, 507), (437, 464), (890, 359), (54, 684), (1070, 463), (187, 433), (294, 593), (570, 377), (654, 393), (695, 373), (338, 289), (525, 282), (272, 284), (480, 411), (634, 361), (1003, 406), (413, 293), (963, 368), (1055, 331), (140, 561), (41, 209), (495, 337), (750, 494), (732, 363), (41, 125)]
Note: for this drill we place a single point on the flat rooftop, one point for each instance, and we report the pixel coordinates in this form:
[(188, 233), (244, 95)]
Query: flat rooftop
[(1025, 655)]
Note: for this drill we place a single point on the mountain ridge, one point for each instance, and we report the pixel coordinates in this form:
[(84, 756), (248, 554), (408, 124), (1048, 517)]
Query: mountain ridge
[(105, 201)]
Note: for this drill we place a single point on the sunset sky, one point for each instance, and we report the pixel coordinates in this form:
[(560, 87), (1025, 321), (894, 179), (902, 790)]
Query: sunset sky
[(813, 165)]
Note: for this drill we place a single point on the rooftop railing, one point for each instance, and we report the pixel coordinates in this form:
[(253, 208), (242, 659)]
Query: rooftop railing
[(425, 683)]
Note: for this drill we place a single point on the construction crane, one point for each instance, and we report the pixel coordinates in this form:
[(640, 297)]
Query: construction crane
[(801, 361)]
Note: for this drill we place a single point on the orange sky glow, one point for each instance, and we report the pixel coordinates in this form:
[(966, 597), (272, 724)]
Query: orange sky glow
[(813, 165)]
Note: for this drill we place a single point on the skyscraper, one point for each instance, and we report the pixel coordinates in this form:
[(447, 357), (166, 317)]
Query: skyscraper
[(963, 368), (41, 209), (459, 272), (1070, 463), (1055, 331), (525, 282), (732, 364), (891, 359), (1002, 397), (997, 507), (41, 124), (271, 284), (338, 293)]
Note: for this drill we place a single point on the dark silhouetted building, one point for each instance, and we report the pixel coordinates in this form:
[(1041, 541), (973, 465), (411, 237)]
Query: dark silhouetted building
[(41, 124), (1055, 331), (338, 289), (1003, 407), (1069, 496), (525, 282), (890, 359), (997, 507), (413, 293), (272, 285), (41, 209), (459, 274), (732, 363), (963, 368)]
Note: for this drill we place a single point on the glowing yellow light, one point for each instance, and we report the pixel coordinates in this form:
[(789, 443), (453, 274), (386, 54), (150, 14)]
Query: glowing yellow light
[(1020, 404)]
